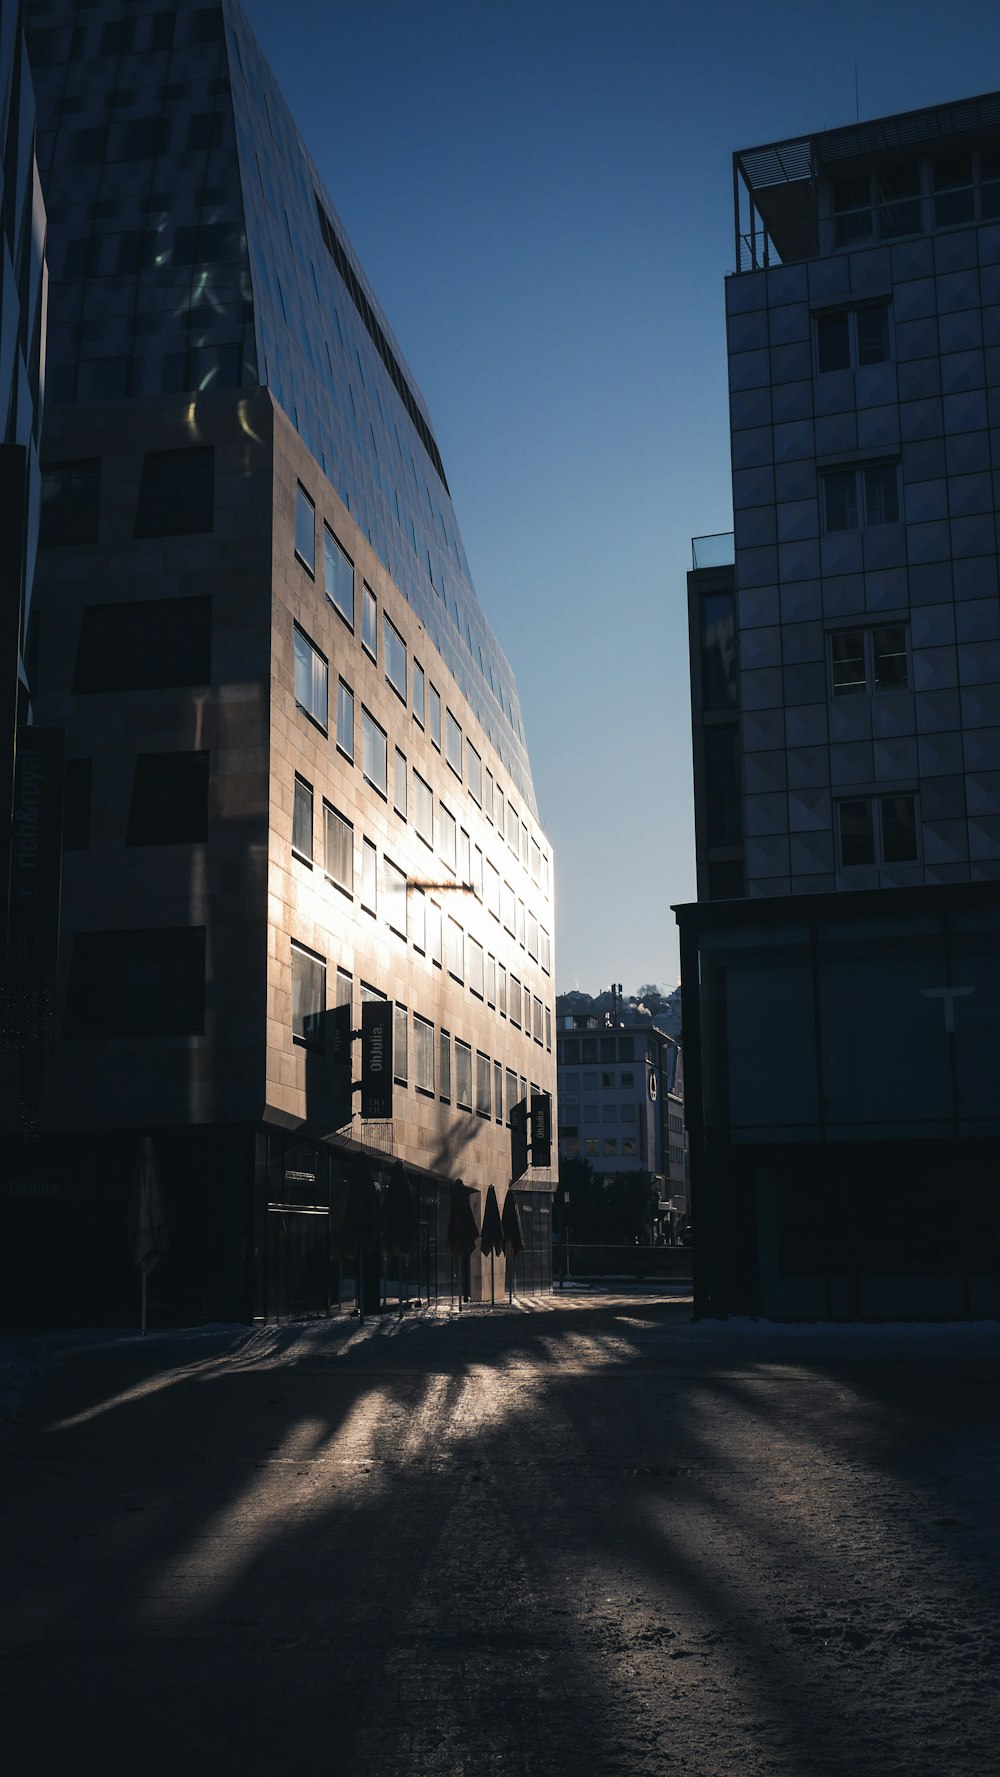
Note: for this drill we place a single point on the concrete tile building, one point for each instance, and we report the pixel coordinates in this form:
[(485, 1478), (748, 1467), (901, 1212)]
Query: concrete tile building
[(297, 779), (846, 693)]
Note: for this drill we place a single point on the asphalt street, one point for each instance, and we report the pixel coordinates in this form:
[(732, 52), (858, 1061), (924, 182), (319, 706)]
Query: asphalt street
[(591, 1538)]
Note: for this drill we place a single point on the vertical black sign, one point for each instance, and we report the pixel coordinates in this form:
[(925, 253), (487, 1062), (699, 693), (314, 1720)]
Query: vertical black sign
[(36, 852), (376, 1059), (518, 1140), (541, 1129)]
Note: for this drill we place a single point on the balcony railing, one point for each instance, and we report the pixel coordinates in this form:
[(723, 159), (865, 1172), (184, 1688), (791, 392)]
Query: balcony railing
[(717, 551)]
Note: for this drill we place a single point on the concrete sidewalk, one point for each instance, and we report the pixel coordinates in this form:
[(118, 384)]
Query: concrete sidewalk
[(597, 1538)]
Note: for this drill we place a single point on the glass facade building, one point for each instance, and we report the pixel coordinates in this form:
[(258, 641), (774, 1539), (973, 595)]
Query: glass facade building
[(296, 783)]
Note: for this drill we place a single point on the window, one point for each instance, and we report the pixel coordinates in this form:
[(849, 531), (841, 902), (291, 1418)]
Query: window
[(848, 339), (416, 919), (176, 493), (536, 863), (499, 809), (484, 1105), (515, 1001), (423, 1055), (532, 937), (491, 980), (399, 783), (137, 983), (508, 902), (435, 712), (448, 835), (419, 690), (146, 645), (308, 996), (369, 622), (498, 1091), (400, 1045), (423, 809), (954, 196), (70, 508), (537, 1024), (463, 1075), (510, 1080), (501, 990), (345, 720), (311, 679), (305, 529), (444, 1067), (453, 743), (477, 872), (302, 819), (866, 660), (520, 923), (884, 204), (474, 772), (492, 890), (434, 938), (374, 749), (456, 949), (856, 498), (524, 845), (464, 856), (394, 649), (76, 804), (338, 576), (723, 795), (339, 849), (548, 1029), (394, 885), (369, 876), (475, 964), (877, 830), (513, 828), (527, 1013), (717, 635), (169, 803)]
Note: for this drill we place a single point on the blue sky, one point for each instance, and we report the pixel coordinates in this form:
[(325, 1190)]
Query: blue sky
[(541, 195)]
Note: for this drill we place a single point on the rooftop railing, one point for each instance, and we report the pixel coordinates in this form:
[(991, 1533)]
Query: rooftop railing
[(716, 551)]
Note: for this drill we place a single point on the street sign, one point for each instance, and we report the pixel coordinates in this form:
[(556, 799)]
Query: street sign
[(376, 1059), (518, 1140)]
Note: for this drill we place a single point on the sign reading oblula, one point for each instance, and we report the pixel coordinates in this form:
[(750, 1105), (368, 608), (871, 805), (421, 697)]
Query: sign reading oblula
[(376, 1059)]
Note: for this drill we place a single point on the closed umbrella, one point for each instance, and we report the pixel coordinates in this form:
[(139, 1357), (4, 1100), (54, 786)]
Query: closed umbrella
[(462, 1231), (401, 1222), (492, 1237), (513, 1238), (147, 1222)]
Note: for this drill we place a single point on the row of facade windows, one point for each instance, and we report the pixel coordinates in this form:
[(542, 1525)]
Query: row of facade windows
[(592, 1147), (574, 1050), (176, 498), (442, 726), (917, 195), (426, 1057), (412, 799), (416, 918), (609, 1082)]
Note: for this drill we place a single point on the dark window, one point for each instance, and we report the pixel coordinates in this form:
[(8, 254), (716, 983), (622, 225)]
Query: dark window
[(312, 675), (723, 796), (725, 880), (169, 799), (138, 138), (177, 493), (847, 662), (302, 818), (205, 131), (76, 804), (137, 983), (833, 341), (716, 616), (872, 334), (890, 671), (853, 498), (305, 529), (954, 197), (145, 646), (308, 997), (71, 494), (879, 829), (897, 194), (85, 146)]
